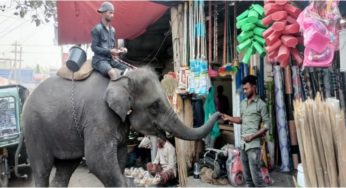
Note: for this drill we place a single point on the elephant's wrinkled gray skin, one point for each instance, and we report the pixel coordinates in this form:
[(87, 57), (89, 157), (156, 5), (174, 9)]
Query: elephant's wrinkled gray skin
[(103, 123)]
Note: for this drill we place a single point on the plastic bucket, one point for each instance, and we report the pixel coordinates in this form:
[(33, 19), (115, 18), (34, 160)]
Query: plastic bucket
[(76, 58), (130, 181)]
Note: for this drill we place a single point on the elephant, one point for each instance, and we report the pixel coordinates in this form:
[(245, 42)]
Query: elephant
[(64, 121)]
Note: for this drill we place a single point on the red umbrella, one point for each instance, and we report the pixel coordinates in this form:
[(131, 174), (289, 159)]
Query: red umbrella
[(77, 18)]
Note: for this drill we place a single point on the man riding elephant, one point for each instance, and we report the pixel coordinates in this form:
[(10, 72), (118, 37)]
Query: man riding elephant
[(106, 56)]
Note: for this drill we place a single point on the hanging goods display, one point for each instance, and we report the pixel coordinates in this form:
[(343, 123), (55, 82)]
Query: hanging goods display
[(281, 38), (251, 38), (198, 77), (281, 120), (289, 108), (212, 20), (227, 68), (297, 84), (318, 26)]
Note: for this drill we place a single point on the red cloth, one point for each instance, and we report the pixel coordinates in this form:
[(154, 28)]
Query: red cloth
[(131, 19), (153, 168), (156, 168)]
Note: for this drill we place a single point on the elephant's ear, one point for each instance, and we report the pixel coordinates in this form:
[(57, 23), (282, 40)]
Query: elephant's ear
[(119, 98)]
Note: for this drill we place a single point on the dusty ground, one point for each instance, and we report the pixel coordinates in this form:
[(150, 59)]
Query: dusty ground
[(280, 180), (82, 178)]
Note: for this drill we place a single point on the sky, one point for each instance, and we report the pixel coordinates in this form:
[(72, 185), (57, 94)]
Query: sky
[(38, 43)]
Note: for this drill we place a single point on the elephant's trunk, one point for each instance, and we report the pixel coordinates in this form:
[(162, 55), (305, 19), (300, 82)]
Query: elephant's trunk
[(175, 126)]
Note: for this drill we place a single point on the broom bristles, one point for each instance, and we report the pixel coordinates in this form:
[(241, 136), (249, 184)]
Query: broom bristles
[(321, 133)]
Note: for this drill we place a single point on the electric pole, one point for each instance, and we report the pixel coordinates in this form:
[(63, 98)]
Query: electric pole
[(20, 64), (13, 74), (14, 66)]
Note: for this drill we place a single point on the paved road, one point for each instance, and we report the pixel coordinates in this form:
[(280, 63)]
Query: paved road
[(82, 178)]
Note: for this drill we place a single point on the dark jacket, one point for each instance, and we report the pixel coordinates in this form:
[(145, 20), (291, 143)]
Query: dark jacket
[(102, 41)]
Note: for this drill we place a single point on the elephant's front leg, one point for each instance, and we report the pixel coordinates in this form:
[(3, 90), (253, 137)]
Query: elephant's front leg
[(102, 160), (122, 157)]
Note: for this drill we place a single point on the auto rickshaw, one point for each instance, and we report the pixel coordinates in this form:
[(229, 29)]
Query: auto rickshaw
[(12, 148)]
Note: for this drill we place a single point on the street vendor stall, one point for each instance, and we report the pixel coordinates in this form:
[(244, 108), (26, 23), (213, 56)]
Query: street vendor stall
[(294, 49)]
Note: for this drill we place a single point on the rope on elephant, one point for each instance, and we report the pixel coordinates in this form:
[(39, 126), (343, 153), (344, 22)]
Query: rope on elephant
[(74, 111), (126, 63)]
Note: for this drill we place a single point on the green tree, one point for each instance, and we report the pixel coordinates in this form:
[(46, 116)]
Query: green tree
[(41, 11)]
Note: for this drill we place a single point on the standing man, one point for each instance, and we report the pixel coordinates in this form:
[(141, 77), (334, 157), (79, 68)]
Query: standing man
[(252, 111), (103, 45)]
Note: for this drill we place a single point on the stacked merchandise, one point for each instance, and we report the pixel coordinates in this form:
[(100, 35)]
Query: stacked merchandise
[(318, 26), (140, 177), (282, 37), (250, 39), (321, 135)]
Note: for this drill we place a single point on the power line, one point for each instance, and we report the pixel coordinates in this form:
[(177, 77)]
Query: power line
[(10, 27), (14, 28), (158, 50), (2, 21)]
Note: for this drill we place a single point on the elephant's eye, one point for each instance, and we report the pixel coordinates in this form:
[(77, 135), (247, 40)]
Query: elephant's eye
[(154, 107)]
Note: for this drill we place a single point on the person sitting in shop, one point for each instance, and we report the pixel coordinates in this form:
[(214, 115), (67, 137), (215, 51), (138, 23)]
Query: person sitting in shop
[(165, 161), (222, 101)]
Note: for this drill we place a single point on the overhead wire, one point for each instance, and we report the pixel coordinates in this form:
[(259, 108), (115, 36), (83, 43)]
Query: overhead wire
[(12, 29), (158, 50)]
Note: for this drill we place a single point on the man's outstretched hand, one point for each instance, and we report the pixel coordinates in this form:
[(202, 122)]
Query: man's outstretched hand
[(226, 117)]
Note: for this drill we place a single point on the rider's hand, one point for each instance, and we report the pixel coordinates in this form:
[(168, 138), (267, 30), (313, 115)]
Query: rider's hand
[(115, 52), (123, 50)]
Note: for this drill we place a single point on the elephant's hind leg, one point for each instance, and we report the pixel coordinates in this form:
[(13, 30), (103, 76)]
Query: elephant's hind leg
[(64, 171), (41, 160), (41, 169)]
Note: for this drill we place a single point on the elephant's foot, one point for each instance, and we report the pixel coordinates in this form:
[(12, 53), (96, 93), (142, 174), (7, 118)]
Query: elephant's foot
[(64, 171), (41, 181), (120, 182)]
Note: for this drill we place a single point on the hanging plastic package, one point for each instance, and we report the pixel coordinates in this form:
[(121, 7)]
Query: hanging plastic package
[(318, 25), (204, 66), (209, 110), (193, 65), (191, 81), (197, 83), (203, 86)]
